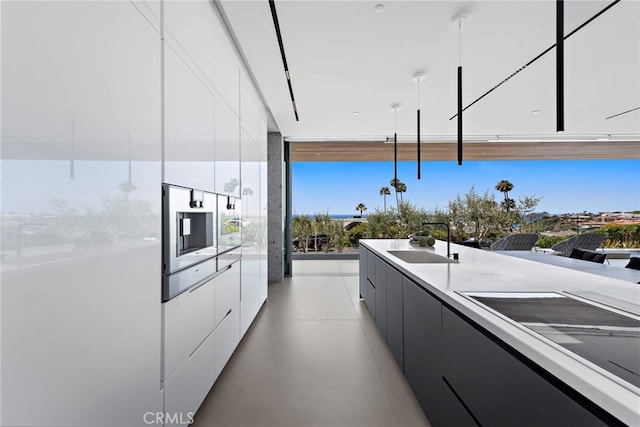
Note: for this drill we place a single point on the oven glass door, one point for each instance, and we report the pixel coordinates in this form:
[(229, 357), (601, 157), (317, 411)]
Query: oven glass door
[(229, 223), (189, 227)]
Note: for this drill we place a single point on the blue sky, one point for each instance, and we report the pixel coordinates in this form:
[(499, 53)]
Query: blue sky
[(564, 185)]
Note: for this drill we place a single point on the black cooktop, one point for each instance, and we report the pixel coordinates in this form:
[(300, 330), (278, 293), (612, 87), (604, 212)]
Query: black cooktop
[(608, 339)]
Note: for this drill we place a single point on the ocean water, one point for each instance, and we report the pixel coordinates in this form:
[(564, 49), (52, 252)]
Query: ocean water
[(338, 216)]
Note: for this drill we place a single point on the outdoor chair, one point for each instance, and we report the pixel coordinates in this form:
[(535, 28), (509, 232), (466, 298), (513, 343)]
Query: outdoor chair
[(587, 241), (515, 242), (634, 263), (599, 257)]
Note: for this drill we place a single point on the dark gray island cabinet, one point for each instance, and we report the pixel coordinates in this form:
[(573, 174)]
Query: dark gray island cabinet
[(461, 374)]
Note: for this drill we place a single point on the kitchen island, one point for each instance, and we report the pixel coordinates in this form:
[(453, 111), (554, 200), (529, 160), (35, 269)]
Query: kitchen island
[(473, 363)]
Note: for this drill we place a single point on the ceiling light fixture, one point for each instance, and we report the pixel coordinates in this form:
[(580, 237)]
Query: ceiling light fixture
[(395, 108), (356, 113), (459, 18), (559, 65), (418, 77), (547, 50), (378, 8), (287, 76)]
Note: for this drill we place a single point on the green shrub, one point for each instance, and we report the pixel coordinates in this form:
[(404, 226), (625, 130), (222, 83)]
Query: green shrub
[(548, 241), (621, 235)]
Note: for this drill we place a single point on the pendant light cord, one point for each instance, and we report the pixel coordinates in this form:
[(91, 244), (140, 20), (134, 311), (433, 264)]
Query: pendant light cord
[(460, 42)]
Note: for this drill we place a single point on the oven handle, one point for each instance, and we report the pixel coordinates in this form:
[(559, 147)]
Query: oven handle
[(204, 280)]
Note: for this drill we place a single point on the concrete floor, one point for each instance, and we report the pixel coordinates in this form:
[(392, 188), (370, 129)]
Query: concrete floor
[(313, 357)]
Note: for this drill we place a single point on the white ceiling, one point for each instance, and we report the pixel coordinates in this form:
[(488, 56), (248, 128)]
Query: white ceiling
[(345, 57)]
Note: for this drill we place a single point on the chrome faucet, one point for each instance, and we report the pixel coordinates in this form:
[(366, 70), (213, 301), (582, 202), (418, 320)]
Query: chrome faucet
[(448, 234)]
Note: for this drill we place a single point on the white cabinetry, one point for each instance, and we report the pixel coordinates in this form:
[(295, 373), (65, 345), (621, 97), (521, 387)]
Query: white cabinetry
[(226, 338), (185, 390), (102, 102), (227, 315), (254, 279), (227, 292), (80, 213), (201, 331), (249, 107), (227, 150), (188, 126), (189, 30), (150, 9), (188, 319), (226, 66)]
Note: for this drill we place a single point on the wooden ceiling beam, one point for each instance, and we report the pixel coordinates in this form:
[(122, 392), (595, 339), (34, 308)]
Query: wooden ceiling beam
[(543, 150)]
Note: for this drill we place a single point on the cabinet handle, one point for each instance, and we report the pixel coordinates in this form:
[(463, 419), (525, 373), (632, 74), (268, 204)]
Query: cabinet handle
[(199, 345), (202, 282), (464, 405)]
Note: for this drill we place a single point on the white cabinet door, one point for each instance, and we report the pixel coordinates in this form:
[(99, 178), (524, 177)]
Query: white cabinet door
[(187, 387), (188, 126), (227, 150), (80, 164), (187, 320), (251, 294), (226, 338), (226, 66), (249, 106), (227, 292), (189, 29), (150, 9)]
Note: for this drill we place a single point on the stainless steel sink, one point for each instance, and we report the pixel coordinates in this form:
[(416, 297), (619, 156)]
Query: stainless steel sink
[(420, 257)]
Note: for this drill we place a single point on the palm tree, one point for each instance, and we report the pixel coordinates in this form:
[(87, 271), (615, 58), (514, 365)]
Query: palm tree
[(361, 207), (230, 186), (508, 204), (384, 192), (401, 187), (394, 183), (504, 187)]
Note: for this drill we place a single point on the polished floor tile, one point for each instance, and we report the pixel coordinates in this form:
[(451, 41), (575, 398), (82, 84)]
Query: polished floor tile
[(313, 357)]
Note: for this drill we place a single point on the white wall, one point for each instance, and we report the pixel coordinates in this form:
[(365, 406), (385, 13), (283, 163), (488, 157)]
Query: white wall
[(81, 166)]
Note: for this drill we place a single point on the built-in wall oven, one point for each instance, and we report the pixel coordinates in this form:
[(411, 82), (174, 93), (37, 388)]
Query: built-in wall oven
[(189, 238)]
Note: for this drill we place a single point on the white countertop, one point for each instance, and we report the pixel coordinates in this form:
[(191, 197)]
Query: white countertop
[(480, 270), (626, 274)]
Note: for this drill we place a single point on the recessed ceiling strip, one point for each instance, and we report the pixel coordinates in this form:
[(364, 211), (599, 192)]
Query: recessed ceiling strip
[(559, 66), (274, 15), (588, 21)]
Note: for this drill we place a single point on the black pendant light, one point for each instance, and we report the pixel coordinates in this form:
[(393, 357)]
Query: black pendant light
[(418, 77), (559, 65), (395, 108), (459, 115), (458, 19)]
